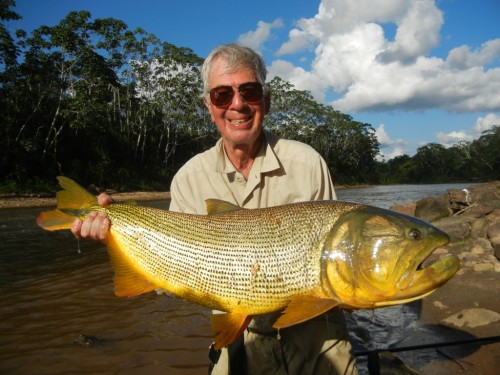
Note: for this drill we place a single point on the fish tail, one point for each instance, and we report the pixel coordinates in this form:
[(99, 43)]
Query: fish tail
[(72, 202)]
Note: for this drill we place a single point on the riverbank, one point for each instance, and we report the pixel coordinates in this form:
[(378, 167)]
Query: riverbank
[(23, 201), (36, 200), (466, 307)]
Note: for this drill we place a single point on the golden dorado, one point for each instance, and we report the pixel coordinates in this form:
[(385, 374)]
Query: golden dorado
[(302, 258)]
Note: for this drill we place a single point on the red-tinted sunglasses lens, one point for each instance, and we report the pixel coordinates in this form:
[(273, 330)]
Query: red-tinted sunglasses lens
[(251, 92)]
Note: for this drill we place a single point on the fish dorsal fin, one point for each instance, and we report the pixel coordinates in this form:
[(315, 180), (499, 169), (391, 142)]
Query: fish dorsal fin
[(129, 281), (228, 327), (302, 308), (217, 206)]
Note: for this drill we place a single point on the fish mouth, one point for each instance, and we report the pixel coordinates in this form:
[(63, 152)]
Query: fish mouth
[(429, 275)]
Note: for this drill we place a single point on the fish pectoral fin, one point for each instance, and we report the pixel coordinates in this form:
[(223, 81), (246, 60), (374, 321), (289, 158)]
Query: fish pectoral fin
[(303, 308), (228, 327), (217, 206), (129, 281)]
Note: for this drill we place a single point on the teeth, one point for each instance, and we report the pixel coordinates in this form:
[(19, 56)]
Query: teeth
[(237, 122)]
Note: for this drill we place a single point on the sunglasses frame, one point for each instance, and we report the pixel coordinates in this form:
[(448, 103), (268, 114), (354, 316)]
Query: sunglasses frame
[(256, 87)]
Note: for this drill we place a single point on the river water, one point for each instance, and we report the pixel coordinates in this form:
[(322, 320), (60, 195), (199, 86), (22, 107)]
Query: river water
[(59, 315)]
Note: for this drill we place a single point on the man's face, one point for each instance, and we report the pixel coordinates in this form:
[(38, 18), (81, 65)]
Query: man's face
[(239, 122)]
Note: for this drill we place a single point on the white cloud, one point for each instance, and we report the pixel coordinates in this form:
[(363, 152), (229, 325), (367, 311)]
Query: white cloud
[(485, 123), (384, 139), (417, 33), (396, 151), (354, 58), (452, 138), (462, 57), (390, 148), (255, 39), (468, 135)]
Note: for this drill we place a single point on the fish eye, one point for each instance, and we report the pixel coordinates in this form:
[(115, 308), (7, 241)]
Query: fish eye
[(415, 234)]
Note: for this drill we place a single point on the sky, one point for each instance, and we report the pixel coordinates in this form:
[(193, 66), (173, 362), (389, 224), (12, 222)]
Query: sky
[(418, 71)]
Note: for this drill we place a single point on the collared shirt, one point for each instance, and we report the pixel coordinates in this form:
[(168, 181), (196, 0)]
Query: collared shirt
[(284, 171)]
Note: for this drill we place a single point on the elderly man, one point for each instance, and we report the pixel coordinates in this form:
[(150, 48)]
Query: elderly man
[(253, 169)]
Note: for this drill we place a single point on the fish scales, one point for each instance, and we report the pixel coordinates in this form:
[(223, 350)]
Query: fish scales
[(220, 256), (303, 258)]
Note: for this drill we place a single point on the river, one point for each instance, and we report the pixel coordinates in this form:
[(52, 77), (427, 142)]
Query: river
[(59, 315)]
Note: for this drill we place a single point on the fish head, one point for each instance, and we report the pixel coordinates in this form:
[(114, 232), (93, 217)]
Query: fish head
[(373, 257)]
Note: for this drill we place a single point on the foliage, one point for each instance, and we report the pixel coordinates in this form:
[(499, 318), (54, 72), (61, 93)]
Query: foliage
[(119, 108)]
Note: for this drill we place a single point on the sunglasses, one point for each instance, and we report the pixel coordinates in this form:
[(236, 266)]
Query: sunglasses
[(251, 92)]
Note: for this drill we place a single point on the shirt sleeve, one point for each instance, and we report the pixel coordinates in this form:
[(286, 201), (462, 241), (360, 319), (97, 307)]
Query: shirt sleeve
[(179, 198), (322, 182)]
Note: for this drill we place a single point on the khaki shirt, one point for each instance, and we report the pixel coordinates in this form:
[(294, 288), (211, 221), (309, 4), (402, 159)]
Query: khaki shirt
[(284, 171)]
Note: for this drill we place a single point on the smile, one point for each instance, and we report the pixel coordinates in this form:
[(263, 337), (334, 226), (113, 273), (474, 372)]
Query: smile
[(237, 122)]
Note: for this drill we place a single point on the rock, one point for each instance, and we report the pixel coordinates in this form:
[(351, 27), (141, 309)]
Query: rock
[(459, 198), (494, 216), (477, 250), (496, 250), (440, 305), (484, 267), (87, 341), (482, 243), (456, 227), (468, 256), (477, 210), (440, 251), (433, 208), (472, 318), (493, 233), (479, 227), (487, 194), (407, 208)]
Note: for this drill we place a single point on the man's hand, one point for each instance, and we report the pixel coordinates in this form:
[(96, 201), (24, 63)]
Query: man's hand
[(96, 225)]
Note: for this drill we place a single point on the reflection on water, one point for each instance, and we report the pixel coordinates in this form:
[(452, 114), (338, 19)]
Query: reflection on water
[(51, 294), (54, 289), (386, 196)]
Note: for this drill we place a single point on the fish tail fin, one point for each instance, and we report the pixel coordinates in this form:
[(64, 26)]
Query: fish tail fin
[(72, 202)]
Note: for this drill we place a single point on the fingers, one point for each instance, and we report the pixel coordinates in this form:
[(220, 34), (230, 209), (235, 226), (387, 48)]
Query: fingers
[(95, 226), (104, 199), (103, 228), (76, 228)]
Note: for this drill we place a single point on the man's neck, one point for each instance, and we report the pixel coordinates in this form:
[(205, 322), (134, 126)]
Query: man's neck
[(242, 156)]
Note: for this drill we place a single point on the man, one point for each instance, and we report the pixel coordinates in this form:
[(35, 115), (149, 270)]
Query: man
[(253, 169)]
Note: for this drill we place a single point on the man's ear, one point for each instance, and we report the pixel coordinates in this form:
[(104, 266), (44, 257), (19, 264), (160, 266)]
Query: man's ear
[(207, 104), (267, 99)]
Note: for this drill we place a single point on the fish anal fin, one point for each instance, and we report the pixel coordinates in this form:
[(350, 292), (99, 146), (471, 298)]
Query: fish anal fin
[(128, 280), (303, 308), (228, 327), (217, 206)]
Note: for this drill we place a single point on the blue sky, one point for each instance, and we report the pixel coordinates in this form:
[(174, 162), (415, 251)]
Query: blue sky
[(418, 71)]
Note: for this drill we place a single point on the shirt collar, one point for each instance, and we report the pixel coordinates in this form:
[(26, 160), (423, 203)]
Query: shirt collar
[(266, 159)]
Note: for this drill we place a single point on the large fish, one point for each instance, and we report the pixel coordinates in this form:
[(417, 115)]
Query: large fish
[(302, 258)]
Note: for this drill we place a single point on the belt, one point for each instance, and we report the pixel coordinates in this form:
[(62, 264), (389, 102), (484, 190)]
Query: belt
[(272, 333)]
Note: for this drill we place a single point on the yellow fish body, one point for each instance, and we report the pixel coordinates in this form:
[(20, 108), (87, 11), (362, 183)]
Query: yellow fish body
[(303, 258)]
